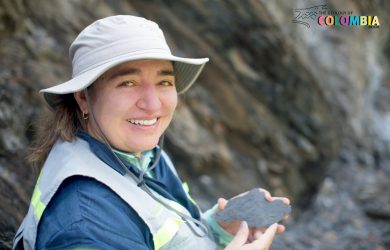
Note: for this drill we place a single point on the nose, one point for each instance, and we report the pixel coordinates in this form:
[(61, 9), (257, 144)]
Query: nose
[(149, 99)]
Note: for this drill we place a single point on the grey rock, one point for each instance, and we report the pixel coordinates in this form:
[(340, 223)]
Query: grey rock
[(254, 209)]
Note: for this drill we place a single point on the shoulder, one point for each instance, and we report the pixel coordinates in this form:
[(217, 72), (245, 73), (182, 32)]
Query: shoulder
[(84, 210)]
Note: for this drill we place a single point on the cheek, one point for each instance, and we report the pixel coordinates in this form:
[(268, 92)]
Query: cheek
[(105, 105), (171, 102)]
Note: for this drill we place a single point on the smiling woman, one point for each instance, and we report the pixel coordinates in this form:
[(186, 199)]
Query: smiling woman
[(132, 103), (106, 183)]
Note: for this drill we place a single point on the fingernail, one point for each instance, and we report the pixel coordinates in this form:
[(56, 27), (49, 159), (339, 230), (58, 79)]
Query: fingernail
[(243, 224)]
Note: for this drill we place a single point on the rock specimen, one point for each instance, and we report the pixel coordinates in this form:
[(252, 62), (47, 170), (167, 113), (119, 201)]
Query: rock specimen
[(254, 209)]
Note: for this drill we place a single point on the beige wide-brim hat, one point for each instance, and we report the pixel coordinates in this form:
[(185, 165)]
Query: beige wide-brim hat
[(114, 40)]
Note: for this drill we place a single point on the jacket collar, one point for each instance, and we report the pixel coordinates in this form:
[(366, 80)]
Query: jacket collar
[(104, 153)]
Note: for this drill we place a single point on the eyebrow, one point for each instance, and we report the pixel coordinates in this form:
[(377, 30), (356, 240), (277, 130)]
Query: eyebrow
[(135, 71), (166, 72)]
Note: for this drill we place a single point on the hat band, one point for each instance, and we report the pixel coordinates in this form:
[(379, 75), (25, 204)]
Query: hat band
[(110, 52)]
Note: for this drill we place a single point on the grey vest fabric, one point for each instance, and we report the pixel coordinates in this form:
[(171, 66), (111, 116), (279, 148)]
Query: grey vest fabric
[(69, 159)]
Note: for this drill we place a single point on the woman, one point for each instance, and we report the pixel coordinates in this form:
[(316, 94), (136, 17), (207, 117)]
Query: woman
[(105, 181)]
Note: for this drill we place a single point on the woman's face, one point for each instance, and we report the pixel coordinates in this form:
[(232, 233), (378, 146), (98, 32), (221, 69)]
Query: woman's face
[(133, 104)]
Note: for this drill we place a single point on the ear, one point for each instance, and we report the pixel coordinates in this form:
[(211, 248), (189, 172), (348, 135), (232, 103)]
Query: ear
[(81, 101)]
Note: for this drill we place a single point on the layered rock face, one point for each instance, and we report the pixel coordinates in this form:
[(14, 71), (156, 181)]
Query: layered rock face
[(302, 112)]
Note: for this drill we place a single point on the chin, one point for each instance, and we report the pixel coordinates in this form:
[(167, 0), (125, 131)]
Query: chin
[(146, 146)]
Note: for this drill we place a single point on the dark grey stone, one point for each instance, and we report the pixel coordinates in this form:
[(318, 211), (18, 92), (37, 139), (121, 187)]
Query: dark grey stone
[(254, 209)]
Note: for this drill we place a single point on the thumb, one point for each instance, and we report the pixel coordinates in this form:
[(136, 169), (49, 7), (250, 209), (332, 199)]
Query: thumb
[(241, 236), (222, 204), (266, 239)]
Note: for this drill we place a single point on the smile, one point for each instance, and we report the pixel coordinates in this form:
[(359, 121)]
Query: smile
[(143, 122)]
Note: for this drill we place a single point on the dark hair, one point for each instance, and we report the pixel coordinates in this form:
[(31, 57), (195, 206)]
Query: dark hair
[(62, 122)]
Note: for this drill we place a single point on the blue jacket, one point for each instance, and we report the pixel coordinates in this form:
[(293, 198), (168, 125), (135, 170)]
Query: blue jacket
[(86, 213)]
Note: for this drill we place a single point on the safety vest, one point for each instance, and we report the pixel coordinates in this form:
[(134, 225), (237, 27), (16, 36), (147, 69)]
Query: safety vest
[(168, 229)]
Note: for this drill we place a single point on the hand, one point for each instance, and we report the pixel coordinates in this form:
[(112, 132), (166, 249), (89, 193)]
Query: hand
[(262, 241), (233, 227)]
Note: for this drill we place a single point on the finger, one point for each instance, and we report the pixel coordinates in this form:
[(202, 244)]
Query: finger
[(265, 240), (280, 229), (284, 199), (222, 203), (267, 194), (241, 236)]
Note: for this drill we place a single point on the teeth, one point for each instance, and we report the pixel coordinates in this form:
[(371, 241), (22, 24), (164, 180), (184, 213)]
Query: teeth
[(143, 122)]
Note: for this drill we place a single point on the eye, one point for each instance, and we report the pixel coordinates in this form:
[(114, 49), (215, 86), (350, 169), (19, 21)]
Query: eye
[(166, 83), (128, 83)]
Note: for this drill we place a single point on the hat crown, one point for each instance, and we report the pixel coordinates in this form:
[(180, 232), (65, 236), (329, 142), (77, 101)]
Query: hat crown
[(114, 36)]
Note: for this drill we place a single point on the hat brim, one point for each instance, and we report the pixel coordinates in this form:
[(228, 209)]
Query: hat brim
[(186, 71)]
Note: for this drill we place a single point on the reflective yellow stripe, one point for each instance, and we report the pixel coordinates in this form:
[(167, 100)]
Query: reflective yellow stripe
[(187, 190), (39, 208), (39, 178), (166, 232), (36, 202), (170, 226)]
